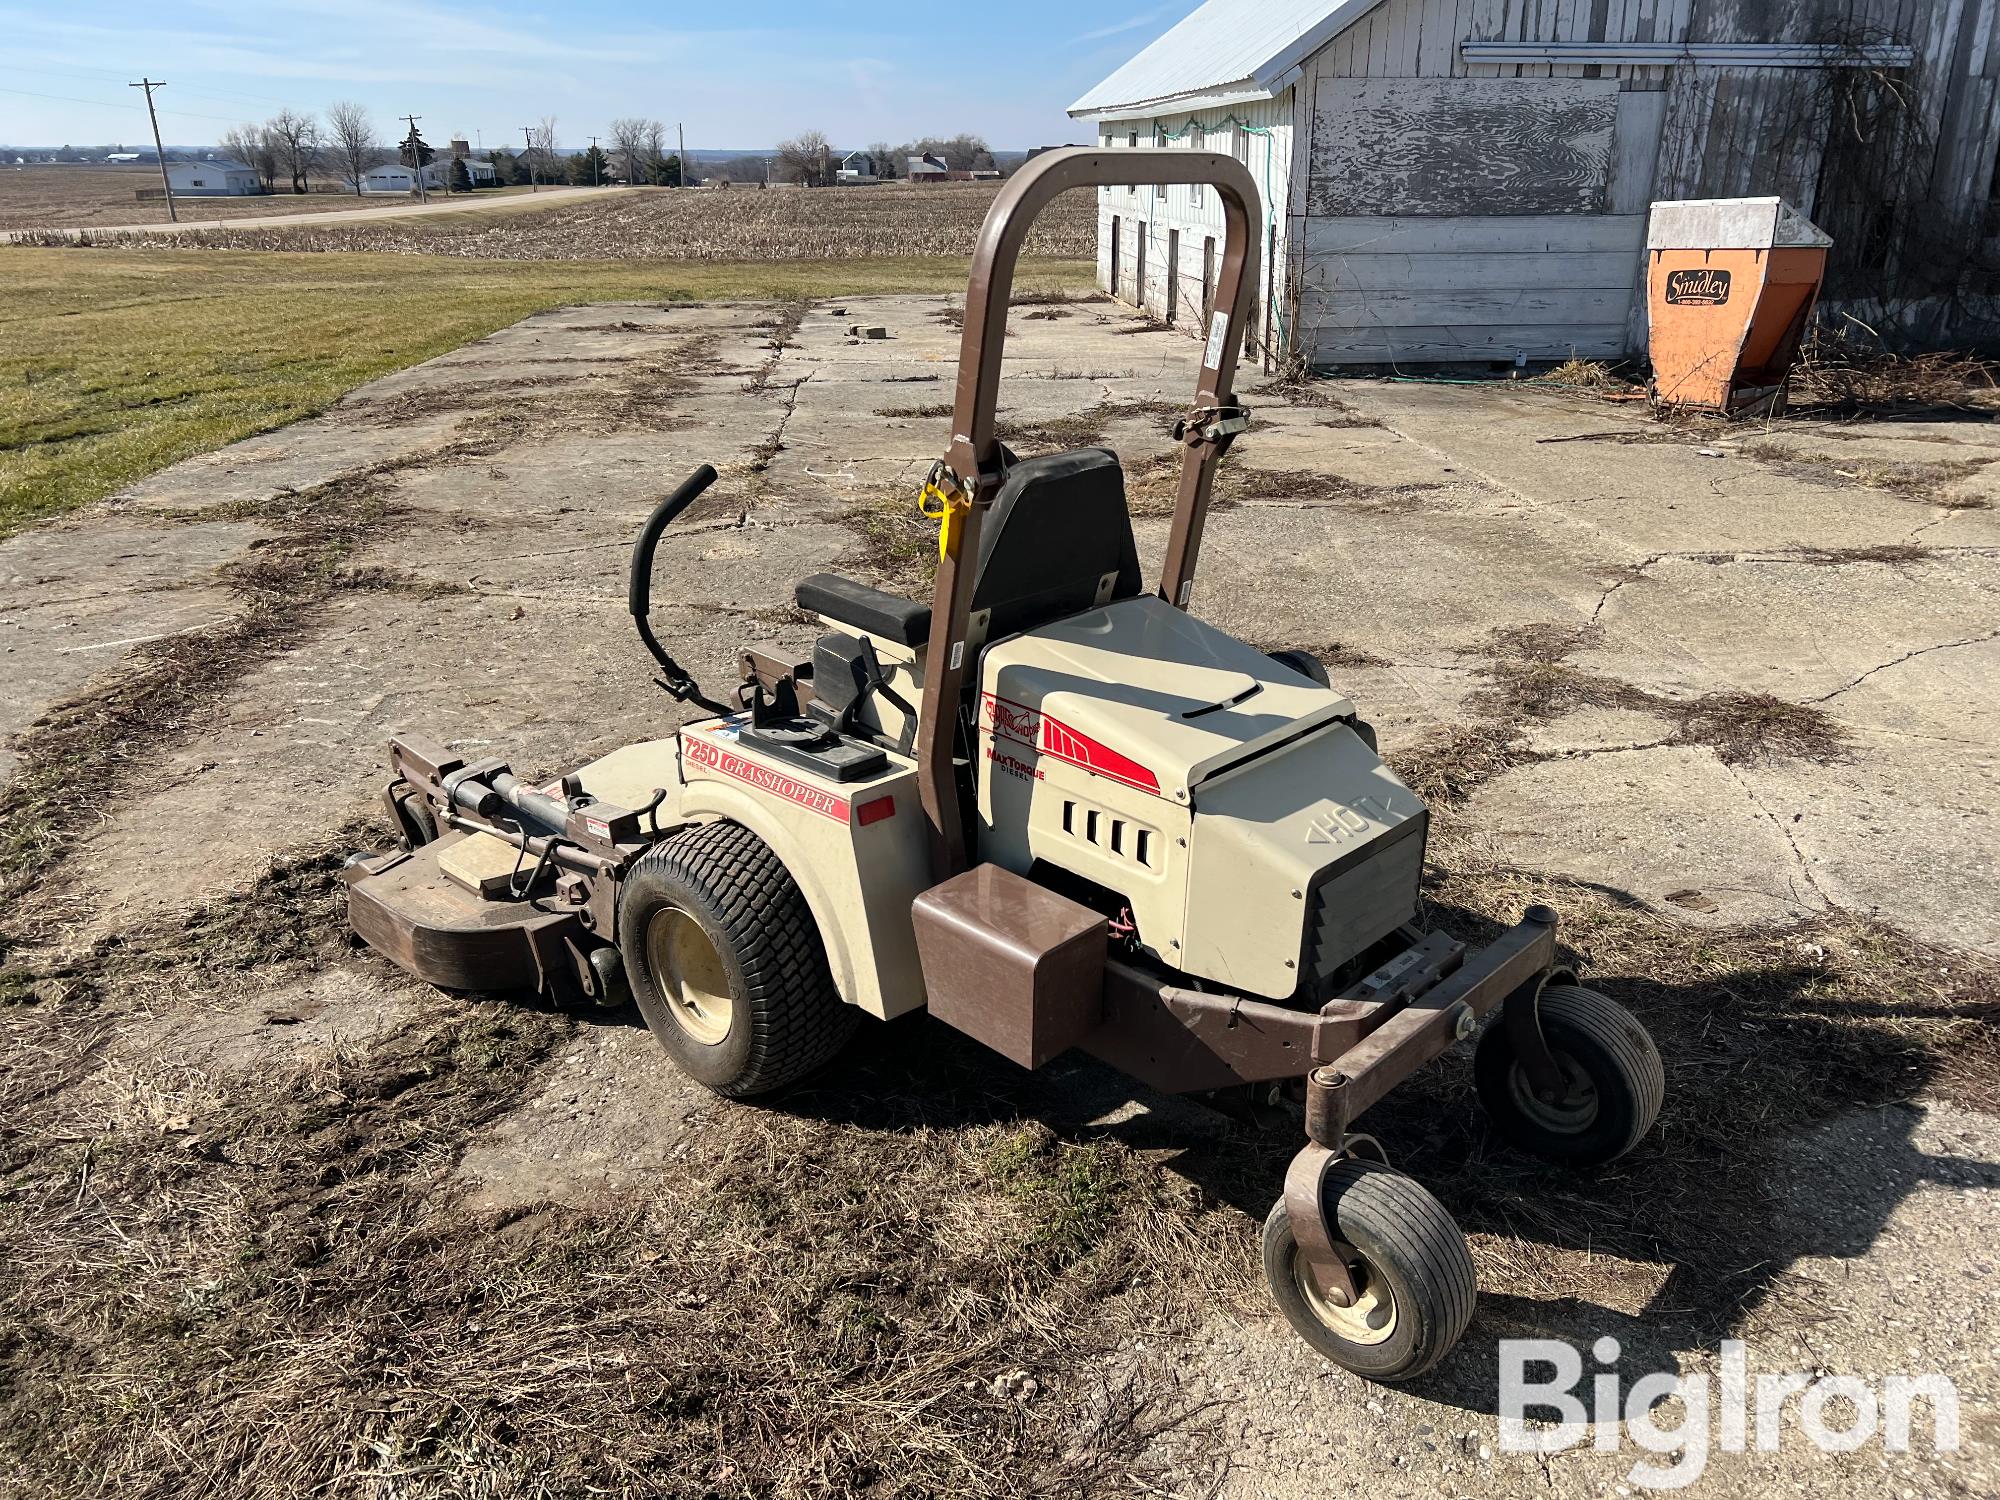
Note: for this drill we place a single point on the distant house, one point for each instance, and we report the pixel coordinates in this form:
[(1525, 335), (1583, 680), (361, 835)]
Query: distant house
[(857, 169), (213, 179), (481, 172), (124, 157), (928, 168), (394, 177)]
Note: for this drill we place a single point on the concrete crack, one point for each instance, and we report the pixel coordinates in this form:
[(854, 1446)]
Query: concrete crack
[(1906, 656), (1798, 854)]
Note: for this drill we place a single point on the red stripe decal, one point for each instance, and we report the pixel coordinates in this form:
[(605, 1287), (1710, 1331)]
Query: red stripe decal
[(1027, 726), (706, 753)]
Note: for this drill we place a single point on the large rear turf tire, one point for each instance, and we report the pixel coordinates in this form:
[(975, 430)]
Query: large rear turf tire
[(726, 962)]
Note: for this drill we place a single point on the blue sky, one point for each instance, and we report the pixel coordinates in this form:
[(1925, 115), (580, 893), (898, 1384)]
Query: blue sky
[(739, 75)]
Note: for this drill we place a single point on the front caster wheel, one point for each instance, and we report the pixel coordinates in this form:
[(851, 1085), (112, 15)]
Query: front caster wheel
[(1613, 1083), (1410, 1267)]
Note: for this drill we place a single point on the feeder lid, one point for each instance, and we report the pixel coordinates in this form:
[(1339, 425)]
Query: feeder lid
[(1733, 224)]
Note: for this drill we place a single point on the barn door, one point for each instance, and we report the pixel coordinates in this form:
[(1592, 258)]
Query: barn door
[(1466, 219)]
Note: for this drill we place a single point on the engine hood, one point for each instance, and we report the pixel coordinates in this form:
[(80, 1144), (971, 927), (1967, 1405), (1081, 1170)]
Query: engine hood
[(1146, 695)]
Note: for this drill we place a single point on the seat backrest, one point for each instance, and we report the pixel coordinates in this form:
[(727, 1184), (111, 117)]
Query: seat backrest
[(1057, 531)]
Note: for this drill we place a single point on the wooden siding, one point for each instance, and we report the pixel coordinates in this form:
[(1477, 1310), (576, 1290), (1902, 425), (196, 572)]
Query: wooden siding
[(1399, 207), (1466, 146), (1437, 247), (1173, 227), (1543, 286)]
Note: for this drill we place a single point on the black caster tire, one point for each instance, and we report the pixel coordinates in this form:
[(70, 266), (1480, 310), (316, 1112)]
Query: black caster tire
[(725, 960), (1415, 1275), (415, 821), (1304, 663), (1615, 1081)]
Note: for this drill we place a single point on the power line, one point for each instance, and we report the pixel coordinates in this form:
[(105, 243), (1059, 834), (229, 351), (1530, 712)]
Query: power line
[(176, 114), (161, 151), (94, 74)]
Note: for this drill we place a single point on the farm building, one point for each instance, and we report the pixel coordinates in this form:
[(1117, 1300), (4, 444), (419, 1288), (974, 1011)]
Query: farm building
[(858, 169), (213, 179), (928, 168), (394, 177), (1468, 180)]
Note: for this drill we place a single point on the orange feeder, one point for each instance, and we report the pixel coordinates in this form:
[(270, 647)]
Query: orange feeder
[(1731, 285)]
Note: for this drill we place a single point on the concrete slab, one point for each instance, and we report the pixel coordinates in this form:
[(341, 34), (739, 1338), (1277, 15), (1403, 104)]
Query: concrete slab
[(1394, 532)]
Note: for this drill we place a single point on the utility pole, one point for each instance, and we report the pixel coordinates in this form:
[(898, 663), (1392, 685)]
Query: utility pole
[(593, 161), (158, 150), (680, 131), (416, 157), (528, 135)]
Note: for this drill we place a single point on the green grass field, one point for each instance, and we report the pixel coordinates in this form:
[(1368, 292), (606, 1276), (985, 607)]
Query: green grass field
[(114, 364)]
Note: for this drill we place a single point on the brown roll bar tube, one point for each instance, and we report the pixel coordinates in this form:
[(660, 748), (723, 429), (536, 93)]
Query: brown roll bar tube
[(974, 455)]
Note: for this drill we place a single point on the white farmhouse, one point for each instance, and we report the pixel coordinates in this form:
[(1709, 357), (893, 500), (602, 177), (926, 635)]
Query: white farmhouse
[(213, 179), (1467, 181)]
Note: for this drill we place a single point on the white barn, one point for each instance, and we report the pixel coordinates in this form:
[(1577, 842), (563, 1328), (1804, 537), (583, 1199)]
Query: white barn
[(394, 177), (1455, 181), (213, 179)]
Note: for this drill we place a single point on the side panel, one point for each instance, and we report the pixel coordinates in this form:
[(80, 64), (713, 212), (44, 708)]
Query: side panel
[(1268, 835), (859, 880), (1034, 806)]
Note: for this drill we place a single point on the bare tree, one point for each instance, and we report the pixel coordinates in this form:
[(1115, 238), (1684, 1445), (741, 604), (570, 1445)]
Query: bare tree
[(806, 159), (655, 152), (352, 140), (252, 145), (295, 141), (884, 157), (542, 143), (628, 146)]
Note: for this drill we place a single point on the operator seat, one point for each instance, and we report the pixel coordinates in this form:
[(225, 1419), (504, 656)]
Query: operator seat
[(1057, 541)]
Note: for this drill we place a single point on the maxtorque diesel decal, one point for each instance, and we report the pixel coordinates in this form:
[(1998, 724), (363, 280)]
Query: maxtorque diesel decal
[(1027, 726), (706, 753)]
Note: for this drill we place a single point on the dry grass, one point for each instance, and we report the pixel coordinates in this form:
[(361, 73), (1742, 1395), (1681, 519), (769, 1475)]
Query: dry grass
[(1584, 375), (1530, 680), (1925, 483), (266, 1274), (662, 224), (894, 1281), (1767, 1033)]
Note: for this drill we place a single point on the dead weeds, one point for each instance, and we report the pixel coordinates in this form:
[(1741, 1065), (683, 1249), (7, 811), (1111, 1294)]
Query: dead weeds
[(1530, 680), (268, 1274), (1924, 483)]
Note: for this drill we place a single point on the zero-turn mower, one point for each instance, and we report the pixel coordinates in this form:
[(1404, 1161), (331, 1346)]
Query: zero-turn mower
[(1057, 810)]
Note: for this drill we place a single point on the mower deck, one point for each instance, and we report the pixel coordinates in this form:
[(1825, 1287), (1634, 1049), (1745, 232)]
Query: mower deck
[(406, 907)]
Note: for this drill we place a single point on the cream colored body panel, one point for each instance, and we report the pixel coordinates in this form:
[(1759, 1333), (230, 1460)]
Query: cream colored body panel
[(1267, 833), (859, 881), (1167, 691), (1207, 785)]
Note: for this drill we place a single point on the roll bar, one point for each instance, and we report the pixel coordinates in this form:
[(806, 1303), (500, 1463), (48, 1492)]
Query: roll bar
[(973, 459)]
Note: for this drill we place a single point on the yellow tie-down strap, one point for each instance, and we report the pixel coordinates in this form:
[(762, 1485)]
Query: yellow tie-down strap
[(945, 503)]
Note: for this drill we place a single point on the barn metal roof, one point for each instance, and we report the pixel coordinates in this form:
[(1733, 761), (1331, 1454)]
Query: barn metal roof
[(1226, 51)]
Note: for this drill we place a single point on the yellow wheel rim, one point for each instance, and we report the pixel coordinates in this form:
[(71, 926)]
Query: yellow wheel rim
[(1372, 1317), (691, 975)]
